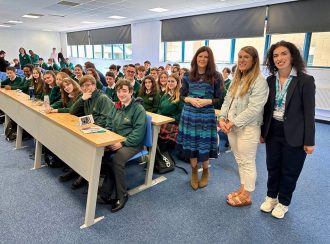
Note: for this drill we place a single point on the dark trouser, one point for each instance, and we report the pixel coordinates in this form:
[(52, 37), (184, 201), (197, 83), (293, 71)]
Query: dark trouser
[(114, 184), (284, 164)]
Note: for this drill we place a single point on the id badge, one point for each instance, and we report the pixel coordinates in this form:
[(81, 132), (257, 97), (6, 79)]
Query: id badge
[(278, 114)]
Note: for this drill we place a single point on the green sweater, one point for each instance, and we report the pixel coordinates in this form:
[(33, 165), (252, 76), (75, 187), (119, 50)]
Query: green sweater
[(130, 122), (112, 94), (98, 106), (136, 89), (60, 107), (170, 109), (24, 59), (35, 59), (151, 102), (44, 66), (25, 84), (13, 84)]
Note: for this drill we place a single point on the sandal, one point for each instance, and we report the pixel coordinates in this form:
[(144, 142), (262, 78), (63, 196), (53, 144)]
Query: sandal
[(235, 193), (239, 201)]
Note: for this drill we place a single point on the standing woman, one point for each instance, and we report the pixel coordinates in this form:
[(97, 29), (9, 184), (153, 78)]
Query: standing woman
[(197, 136), (289, 128), (241, 118), (24, 58)]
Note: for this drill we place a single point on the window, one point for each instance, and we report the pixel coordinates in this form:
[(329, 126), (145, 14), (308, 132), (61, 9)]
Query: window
[(128, 51), (81, 51), (221, 50), (190, 48), (107, 51), (174, 51), (89, 51), (74, 51), (320, 49), (118, 51), (68, 51), (297, 39), (256, 42), (97, 51)]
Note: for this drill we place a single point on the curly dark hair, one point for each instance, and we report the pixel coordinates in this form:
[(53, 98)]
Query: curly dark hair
[(297, 61), (154, 88)]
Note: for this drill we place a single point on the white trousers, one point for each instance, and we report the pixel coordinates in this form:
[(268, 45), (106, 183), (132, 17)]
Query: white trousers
[(244, 143)]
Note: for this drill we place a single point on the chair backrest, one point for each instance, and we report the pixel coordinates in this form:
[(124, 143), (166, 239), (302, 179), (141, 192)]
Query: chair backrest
[(20, 72), (3, 76), (147, 141)]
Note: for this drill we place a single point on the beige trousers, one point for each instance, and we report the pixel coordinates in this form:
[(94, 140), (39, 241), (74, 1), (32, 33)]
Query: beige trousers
[(244, 143)]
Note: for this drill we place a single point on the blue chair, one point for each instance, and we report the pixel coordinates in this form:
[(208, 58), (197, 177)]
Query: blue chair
[(147, 141), (3, 76), (20, 72)]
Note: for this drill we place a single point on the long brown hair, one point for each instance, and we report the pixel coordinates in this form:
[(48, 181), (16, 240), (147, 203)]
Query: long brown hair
[(75, 93), (249, 77), (38, 84), (154, 87), (176, 96), (210, 71), (46, 86)]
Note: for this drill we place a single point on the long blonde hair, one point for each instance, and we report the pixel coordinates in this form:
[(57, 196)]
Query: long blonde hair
[(176, 96), (249, 77)]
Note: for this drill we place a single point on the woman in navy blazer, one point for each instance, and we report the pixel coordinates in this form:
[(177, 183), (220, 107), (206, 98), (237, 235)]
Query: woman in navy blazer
[(289, 128)]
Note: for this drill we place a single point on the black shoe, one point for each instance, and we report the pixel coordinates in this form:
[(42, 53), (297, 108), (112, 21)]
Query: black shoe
[(78, 183), (227, 144), (105, 200), (68, 176), (119, 204)]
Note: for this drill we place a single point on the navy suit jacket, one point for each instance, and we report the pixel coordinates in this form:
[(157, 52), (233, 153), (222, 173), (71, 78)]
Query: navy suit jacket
[(299, 115)]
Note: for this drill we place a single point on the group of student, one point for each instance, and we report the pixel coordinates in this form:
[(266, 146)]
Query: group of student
[(278, 111)]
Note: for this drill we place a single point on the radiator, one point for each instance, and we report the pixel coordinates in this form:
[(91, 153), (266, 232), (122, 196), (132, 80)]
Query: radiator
[(322, 98)]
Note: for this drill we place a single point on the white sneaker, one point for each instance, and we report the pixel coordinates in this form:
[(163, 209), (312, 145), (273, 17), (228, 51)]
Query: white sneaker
[(269, 204), (279, 211)]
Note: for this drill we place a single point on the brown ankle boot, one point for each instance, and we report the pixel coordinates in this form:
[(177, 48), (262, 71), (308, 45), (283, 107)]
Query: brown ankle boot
[(194, 177), (205, 178)]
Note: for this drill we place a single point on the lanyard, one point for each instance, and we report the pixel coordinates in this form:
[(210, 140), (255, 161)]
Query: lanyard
[(281, 93)]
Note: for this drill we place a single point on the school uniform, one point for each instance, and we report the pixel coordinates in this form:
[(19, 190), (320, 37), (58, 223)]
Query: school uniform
[(14, 84), (24, 59), (151, 102), (111, 93)]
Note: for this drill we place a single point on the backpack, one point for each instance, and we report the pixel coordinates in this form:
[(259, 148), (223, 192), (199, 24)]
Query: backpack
[(163, 162), (10, 131)]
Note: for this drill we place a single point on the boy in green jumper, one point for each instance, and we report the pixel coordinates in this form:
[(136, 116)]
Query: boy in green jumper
[(127, 118), (110, 89), (13, 81), (93, 102), (130, 76)]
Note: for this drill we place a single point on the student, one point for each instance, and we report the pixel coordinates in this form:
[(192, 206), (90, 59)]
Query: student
[(23, 57), (70, 92), (115, 69), (91, 65), (78, 71), (197, 137), (154, 73), (42, 64), (110, 89), (37, 83), (62, 61), (140, 74), (50, 87), (241, 118), (52, 65), (27, 80), (92, 72), (127, 118), (175, 69), (13, 81), (68, 72), (171, 106), (160, 70), (93, 102), (182, 72), (130, 74), (60, 76), (69, 64), (162, 82), (16, 63), (34, 57), (147, 65), (168, 68), (149, 93), (3, 62), (225, 74), (289, 127)]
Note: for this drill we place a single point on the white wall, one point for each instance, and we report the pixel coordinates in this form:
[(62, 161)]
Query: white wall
[(41, 42)]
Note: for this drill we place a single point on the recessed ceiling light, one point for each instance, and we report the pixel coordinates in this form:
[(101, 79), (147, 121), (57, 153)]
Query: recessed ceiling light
[(116, 17), (88, 22), (15, 21), (4, 26), (31, 16), (158, 10)]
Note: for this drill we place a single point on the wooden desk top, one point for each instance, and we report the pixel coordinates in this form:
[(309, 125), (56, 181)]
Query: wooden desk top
[(67, 121), (158, 119)]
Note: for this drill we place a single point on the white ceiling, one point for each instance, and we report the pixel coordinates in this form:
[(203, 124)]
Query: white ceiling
[(62, 18)]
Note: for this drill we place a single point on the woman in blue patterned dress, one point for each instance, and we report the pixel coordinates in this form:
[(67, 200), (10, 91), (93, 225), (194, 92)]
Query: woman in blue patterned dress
[(197, 137)]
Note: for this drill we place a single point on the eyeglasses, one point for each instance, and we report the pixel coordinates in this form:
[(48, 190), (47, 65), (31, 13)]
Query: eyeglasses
[(130, 71), (86, 85)]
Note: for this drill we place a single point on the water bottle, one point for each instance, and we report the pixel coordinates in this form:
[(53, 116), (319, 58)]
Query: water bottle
[(46, 103), (31, 93)]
